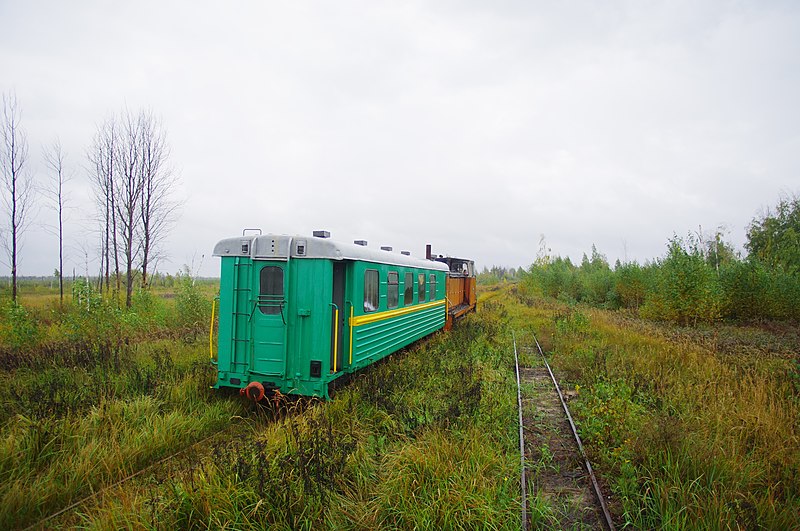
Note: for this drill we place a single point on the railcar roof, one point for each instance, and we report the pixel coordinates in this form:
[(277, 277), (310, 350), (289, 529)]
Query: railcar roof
[(279, 246)]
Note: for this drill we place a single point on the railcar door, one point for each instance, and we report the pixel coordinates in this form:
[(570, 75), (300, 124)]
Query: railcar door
[(269, 317), (338, 317)]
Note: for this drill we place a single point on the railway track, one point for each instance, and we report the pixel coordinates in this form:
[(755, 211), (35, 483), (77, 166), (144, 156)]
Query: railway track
[(559, 488)]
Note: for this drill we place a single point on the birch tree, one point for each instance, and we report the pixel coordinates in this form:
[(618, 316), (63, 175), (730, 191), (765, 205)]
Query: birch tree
[(17, 183), (54, 158), (134, 187), (102, 156), (157, 211), (128, 192)]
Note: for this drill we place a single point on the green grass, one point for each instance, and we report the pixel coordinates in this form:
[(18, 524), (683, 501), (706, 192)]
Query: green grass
[(686, 431), (425, 439), (57, 445), (91, 393), (688, 428)]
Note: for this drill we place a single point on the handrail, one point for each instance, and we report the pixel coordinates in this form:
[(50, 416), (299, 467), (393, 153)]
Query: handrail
[(335, 335), (211, 331), (277, 301), (351, 334)]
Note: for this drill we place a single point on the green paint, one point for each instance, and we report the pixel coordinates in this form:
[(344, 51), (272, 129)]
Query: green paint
[(274, 340)]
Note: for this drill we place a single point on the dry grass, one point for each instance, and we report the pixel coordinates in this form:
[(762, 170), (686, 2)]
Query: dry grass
[(424, 439), (685, 434)]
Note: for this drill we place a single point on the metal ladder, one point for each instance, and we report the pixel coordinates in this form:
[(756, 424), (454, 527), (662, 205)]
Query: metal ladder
[(237, 293)]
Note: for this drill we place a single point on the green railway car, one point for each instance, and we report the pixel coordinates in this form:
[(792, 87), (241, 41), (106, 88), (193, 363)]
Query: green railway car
[(296, 313)]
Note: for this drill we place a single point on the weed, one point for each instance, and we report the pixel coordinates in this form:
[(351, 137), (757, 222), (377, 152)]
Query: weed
[(19, 330), (687, 431)]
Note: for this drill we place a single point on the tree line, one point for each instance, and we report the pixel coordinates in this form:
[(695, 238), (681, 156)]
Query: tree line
[(700, 279), (132, 182), (492, 275)]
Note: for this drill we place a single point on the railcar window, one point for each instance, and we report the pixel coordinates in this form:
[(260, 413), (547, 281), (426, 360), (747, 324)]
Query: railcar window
[(421, 287), (433, 288), (371, 295), (392, 293), (270, 291), (408, 297)]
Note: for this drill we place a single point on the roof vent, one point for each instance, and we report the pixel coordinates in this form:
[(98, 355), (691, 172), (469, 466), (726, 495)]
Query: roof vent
[(322, 234), (386, 248), (406, 253), (362, 243)]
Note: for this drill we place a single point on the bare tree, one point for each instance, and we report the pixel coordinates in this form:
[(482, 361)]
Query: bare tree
[(17, 181), (102, 154), (128, 194), (133, 187), (54, 157), (157, 211)]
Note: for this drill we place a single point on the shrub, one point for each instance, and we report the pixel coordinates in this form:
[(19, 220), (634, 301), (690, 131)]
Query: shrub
[(557, 278), (193, 311), (595, 280), (20, 330), (686, 289), (630, 285)]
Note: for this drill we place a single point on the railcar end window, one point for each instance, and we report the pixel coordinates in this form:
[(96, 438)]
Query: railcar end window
[(408, 297), (270, 290), (433, 288), (392, 292), (371, 294), (421, 287)]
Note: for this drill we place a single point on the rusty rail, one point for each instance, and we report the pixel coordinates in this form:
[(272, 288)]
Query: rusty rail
[(522, 482), (597, 491)]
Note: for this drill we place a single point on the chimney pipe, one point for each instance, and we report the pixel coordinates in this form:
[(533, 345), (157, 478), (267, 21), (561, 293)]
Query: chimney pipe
[(428, 252)]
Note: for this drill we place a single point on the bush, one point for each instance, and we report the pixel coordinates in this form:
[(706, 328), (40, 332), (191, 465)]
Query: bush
[(193, 311), (595, 280), (557, 279), (630, 285), (686, 289), (20, 330), (754, 291)]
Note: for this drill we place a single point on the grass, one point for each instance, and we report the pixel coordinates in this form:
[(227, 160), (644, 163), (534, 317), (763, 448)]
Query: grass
[(688, 427), (686, 434), (58, 444), (91, 393), (425, 439)]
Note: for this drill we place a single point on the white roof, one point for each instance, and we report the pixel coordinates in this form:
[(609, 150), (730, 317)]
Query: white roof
[(278, 246)]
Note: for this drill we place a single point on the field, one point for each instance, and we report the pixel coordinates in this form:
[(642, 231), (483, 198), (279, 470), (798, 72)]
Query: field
[(687, 427)]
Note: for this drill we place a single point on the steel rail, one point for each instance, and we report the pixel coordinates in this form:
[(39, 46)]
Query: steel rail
[(522, 481), (597, 491)]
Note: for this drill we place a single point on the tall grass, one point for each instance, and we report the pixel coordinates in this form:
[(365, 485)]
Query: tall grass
[(686, 434), (91, 392), (62, 444), (425, 439)]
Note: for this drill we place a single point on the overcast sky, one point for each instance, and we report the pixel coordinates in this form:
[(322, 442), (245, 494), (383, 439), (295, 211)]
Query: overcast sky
[(475, 126)]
